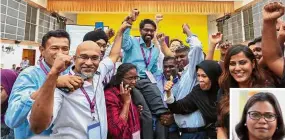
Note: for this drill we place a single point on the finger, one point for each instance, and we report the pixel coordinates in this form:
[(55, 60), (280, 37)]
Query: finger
[(74, 84), (171, 78), (70, 87), (122, 87)]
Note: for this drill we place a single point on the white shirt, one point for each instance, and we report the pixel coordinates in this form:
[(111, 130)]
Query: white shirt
[(71, 111)]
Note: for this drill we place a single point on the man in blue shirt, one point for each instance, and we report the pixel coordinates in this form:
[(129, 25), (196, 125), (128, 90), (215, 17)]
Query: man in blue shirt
[(169, 69), (187, 65), (142, 53), (32, 83)]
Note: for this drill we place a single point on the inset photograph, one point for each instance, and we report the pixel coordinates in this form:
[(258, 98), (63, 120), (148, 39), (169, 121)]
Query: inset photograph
[(256, 114)]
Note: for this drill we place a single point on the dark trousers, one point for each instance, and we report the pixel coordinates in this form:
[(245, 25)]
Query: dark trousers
[(147, 94)]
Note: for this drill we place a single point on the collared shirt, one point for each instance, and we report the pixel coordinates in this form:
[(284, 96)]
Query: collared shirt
[(187, 82), (118, 127), (20, 102), (133, 54), (161, 81), (71, 111)]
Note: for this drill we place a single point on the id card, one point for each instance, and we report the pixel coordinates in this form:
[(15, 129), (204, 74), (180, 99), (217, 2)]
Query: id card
[(137, 135), (94, 130), (150, 76)]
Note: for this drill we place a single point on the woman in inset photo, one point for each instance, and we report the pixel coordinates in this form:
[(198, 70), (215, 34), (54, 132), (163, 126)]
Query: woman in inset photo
[(261, 119)]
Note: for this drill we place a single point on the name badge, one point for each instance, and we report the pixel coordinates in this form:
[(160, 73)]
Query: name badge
[(94, 130), (137, 135), (150, 76)]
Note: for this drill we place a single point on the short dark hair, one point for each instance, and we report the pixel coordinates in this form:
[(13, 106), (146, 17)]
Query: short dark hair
[(242, 130), (147, 21), (251, 43), (182, 49), (258, 39), (118, 77), (166, 58), (55, 33), (95, 36), (172, 40)]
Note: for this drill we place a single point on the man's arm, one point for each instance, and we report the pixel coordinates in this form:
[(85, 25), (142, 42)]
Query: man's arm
[(163, 46), (214, 40), (270, 47), (281, 36), (42, 109), (116, 49)]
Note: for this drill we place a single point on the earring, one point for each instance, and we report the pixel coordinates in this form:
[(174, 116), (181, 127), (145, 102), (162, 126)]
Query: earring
[(245, 124)]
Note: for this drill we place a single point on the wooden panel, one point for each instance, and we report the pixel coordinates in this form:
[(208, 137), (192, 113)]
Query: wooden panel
[(31, 54)]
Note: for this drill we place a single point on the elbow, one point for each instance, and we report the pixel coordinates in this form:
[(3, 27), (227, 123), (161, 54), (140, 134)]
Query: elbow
[(38, 127)]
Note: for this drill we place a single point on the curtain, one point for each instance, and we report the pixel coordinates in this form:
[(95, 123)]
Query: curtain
[(145, 6)]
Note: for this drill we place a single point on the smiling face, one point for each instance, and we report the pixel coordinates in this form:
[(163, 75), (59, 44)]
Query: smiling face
[(241, 68), (147, 32), (261, 129), (174, 45), (87, 58), (53, 46), (257, 51)]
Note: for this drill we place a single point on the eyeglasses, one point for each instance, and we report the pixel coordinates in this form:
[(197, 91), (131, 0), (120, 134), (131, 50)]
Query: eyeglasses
[(269, 117), (132, 78), (148, 30), (86, 57)]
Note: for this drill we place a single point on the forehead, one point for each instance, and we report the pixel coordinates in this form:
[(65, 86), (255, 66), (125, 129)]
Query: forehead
[(101, 41), (132, 72), (175, 42), (148, 26), (57, 41), (89, 50), (181, 53), (239, 56), (169, 62), (262, 106)]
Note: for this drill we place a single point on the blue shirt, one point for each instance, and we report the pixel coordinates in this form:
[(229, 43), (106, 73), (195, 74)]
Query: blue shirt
[(187, 82), (161, 81), (133, 54), (20, 102)]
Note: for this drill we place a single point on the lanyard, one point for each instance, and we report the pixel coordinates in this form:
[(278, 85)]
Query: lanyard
[(93, 102), (43, 67), (144, 57)]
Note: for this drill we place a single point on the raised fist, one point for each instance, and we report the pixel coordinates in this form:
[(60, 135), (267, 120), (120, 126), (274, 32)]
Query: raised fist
[(134, 14), (185, 28), (216, 38), (272, 11), (158, 17), (110, 33), (160, 37), (61, 63)]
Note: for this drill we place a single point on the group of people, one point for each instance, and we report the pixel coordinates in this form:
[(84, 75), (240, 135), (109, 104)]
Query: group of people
[(139, 87)]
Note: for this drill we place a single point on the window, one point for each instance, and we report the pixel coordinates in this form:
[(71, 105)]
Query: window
[(248, 24), (31, 23)]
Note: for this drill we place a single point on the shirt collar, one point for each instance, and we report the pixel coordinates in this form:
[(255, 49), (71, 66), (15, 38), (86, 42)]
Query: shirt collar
[(45, 65), (141, 41)]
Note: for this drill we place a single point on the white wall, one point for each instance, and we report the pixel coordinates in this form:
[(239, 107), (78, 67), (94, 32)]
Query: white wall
[(42, 3), (8, 59), (212, 24)]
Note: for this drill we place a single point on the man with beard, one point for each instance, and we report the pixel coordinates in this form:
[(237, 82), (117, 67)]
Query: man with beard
[(81, 113), (144, 55)]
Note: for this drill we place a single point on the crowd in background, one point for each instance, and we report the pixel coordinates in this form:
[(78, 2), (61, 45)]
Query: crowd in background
[(139, 87)]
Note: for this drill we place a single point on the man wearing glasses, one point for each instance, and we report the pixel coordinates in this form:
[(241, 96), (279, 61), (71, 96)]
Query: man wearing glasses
[(79, 114), (144, 55)]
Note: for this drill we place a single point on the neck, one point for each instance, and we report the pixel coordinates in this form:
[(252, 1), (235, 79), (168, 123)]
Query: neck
[(148, 44), (48, 64), (255, 138), (244, 84)]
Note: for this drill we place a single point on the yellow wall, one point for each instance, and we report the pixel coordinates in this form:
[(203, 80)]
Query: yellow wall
[(171, 25)]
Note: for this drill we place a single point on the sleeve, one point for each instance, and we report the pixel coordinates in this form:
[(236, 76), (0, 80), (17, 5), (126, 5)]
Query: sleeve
[(58, 97), (195, 54), (20, 102), (183, 106), (127, 40), (117, 127), (105, 66)]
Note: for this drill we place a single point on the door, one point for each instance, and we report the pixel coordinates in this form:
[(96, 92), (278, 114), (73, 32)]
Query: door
[(31, 54)]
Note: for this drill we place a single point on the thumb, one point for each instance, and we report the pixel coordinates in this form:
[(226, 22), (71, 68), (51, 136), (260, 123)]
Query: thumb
[(171, 78)]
